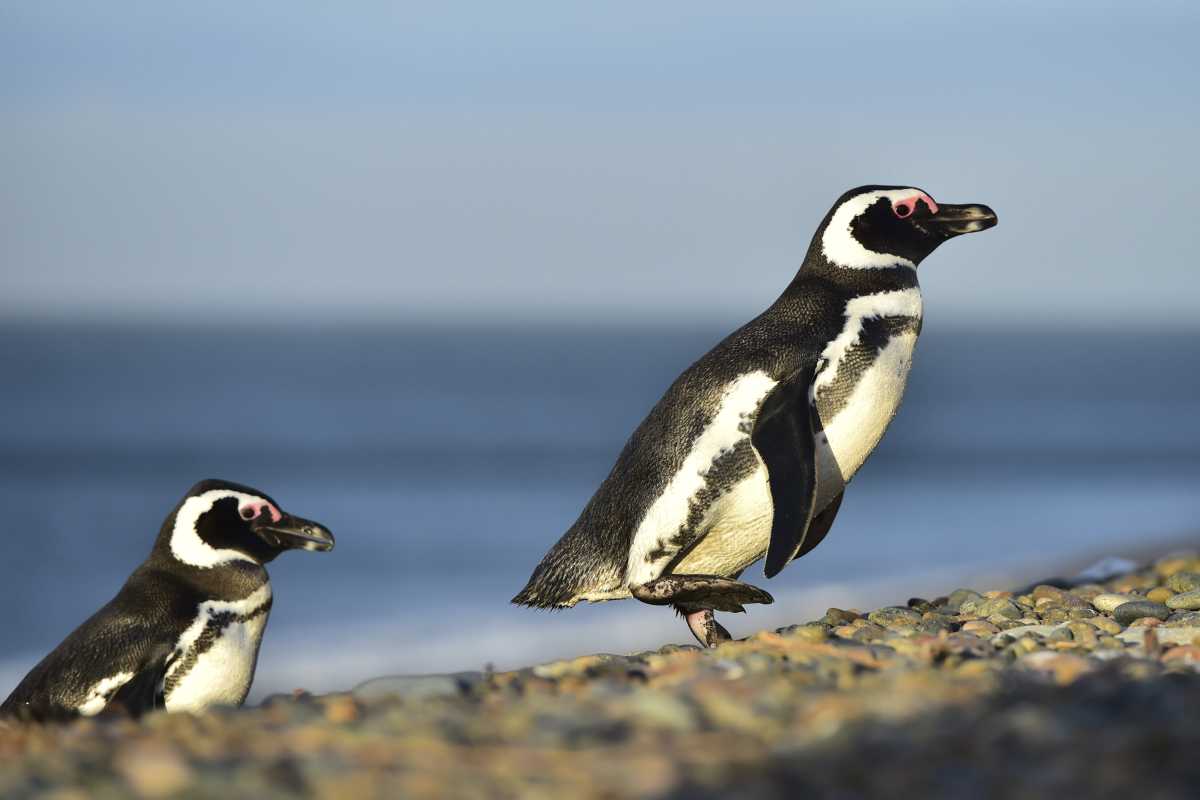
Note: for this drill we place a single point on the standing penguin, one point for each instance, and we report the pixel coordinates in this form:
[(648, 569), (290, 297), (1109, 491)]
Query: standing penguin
[(184, 631), (750, 449)]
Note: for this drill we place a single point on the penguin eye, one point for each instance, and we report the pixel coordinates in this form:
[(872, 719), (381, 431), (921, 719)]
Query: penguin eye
[(248, 513), (902, 210)]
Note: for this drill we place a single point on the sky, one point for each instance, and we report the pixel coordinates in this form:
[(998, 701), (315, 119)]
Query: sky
[(292, 161)]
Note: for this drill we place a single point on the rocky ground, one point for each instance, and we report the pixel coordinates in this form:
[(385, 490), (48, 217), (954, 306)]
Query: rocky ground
[(1085, 688)]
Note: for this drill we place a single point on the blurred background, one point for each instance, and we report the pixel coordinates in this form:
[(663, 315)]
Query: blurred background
[(418, 273)]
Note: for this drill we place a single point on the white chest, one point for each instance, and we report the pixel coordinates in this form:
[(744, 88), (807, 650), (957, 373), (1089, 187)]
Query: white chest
[(216, 656), (851, 435), (867, 379)]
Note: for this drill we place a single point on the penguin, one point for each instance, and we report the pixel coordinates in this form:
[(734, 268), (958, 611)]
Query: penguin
[(749, 452), (183, 632)]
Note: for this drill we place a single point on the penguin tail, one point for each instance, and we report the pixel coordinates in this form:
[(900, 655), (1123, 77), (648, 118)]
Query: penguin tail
[(571, 570)]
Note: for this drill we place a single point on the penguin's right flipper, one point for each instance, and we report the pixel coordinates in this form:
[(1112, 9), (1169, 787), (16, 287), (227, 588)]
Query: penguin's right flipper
[(820, 525), (697, 592), (784, 437)]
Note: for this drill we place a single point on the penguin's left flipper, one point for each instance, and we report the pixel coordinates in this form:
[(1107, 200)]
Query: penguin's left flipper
[(696, 592), (784, 437), (142, 693)]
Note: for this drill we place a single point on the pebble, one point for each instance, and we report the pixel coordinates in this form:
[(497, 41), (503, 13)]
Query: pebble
[(838, 616), (1185, 601), (979, 627), (895, 617), (959, 596), (1108, 602), (1166, 635), (1127, 613), (804, 692), (1160, 595), (1184, 582)]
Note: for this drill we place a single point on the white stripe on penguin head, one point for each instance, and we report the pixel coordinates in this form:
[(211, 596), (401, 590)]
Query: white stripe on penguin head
[(186, 544), (838, 243)]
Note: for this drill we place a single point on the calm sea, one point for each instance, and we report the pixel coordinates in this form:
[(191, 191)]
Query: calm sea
[(447, 459)]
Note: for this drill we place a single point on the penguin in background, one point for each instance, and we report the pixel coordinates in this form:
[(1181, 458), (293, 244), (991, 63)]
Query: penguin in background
[(750, 450), (184, 631)]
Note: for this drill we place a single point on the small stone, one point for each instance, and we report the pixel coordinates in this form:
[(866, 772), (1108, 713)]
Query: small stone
[(1184, 619), (919, 604), (979, 627), (1105, 624), (999, 607), (1029, 630), (1166, 635), (838, 616), (1056, 615), (1185, 601), (809, 633), (1186, 654), (1060, 634), (1126, 613), (959, 596), (1176, 562), (895, 617), (1083, 633), (1108, 602), (1184, 582), (1044, 591), (844, 631), (341, 708), (1159, 595)]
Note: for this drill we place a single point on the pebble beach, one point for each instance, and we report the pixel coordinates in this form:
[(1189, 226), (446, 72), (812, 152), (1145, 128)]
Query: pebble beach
[(1087, 685)]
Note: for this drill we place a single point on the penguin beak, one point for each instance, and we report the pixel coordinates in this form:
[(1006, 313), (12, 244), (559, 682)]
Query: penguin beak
[(956, 220), (295, 533)]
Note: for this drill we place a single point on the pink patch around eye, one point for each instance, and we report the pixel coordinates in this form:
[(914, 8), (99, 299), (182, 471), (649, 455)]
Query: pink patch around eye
[(905, 206), (253, 509)]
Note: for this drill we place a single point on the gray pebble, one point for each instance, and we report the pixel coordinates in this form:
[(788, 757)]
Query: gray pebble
[(998, 607), (895, 617), (1184, 582), (960, 596), (1129, 612), (1185, 601)]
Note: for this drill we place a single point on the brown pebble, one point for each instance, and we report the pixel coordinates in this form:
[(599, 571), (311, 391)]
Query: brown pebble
[(1187, 653), (1160, 595), (341, 708)]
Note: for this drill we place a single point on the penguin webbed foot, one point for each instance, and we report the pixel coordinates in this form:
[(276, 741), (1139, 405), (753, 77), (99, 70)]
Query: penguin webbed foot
[(704, 626), (692, 594)]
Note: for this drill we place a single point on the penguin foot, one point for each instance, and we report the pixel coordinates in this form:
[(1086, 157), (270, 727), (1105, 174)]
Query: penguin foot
[(700, 593), (706, 629)]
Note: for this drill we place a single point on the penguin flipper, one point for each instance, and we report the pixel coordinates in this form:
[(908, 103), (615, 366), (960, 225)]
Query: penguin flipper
[(783, 435), (144, 691), (820, 525)]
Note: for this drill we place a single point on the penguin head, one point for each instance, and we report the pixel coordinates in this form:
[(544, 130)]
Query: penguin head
[(878, 227), (219, 521)]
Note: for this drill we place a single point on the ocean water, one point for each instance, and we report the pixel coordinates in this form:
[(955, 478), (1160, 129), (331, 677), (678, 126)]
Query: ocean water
[(448, 459)]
